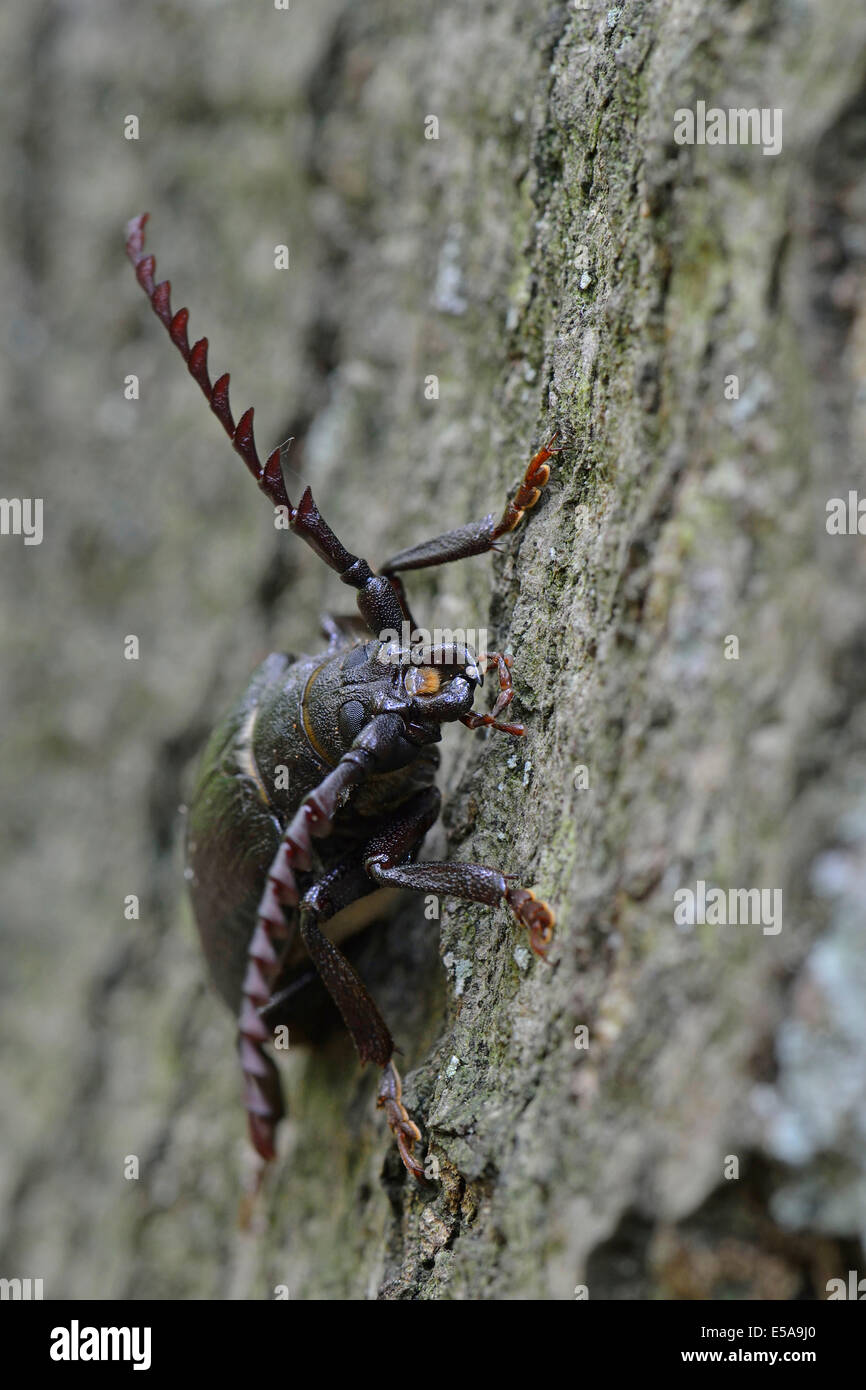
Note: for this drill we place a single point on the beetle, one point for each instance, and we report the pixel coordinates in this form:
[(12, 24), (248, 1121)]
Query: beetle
[(317, 788)]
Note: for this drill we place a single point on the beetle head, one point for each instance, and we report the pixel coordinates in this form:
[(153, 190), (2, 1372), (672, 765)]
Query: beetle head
[(438, 682), (427, 685)]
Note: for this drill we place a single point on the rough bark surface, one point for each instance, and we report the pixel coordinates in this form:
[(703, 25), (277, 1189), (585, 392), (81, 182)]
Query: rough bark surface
[(557, 261)]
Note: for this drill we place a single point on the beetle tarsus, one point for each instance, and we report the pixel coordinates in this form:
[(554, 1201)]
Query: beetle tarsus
[(535, 480), (535, 916), (486, 721), (506, 688), (503, 699), (405, 1131)]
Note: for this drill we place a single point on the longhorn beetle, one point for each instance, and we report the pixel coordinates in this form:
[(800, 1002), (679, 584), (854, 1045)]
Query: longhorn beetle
[(317, 789)]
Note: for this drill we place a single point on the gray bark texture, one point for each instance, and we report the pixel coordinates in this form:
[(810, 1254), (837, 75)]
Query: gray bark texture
[(557, 261)]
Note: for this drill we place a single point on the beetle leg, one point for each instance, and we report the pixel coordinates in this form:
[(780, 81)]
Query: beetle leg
[(479, 536), (369, 1033), (368, 1029), (505, 696), (385, 862), (475, 883), (345, 883)]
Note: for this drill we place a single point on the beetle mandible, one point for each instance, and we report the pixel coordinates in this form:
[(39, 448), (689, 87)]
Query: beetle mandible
[(272, 859)]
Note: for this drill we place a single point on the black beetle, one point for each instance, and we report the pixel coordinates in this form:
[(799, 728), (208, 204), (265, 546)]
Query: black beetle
[(317, 789)]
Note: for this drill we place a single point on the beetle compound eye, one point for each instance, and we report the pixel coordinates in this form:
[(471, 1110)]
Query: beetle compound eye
[(422, 680), (351, 719)]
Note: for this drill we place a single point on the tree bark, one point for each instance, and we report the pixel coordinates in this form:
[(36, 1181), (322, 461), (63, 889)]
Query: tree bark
[(668, 1108)]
